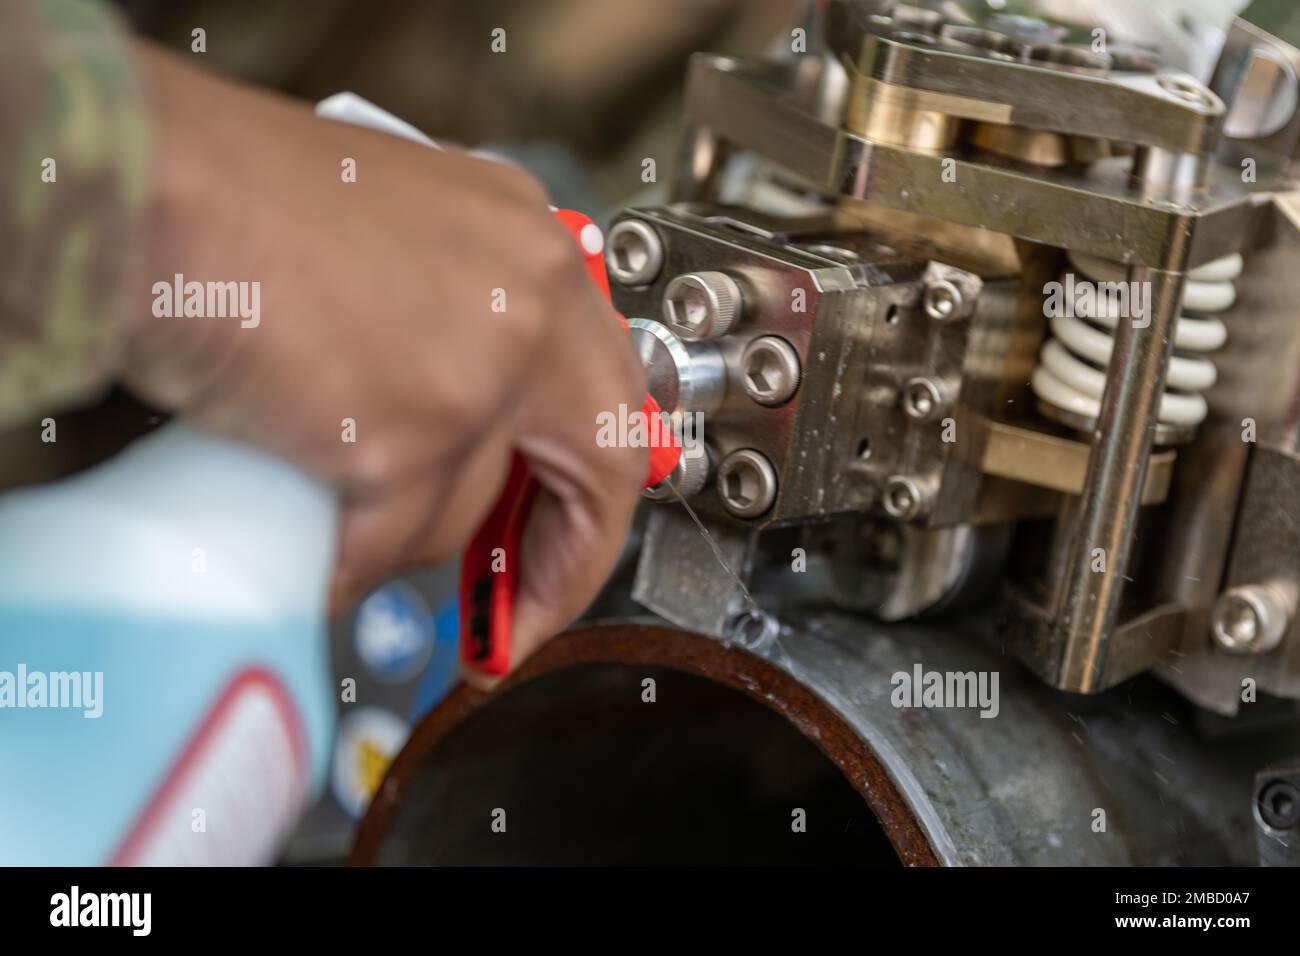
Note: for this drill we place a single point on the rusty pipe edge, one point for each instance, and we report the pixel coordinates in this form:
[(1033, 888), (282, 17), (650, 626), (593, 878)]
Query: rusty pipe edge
[(946, 786), (660, 646)]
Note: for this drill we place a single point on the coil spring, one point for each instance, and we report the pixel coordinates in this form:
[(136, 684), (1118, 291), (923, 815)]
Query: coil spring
[(1071, 373)]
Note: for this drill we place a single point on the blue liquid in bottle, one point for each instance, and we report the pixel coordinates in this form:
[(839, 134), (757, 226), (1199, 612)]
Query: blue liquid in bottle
[(164, 677)]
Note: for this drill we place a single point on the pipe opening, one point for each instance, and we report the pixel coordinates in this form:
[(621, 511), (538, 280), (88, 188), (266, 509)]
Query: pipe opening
[(588, 772)]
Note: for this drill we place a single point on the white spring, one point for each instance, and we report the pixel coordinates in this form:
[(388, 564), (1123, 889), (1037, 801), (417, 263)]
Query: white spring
[(1071, 371)]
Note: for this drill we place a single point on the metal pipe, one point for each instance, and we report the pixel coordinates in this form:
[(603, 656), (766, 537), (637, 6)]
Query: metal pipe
[(1022, 785)]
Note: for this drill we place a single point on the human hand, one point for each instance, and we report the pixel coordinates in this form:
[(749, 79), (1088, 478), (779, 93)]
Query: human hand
[(377, 307)]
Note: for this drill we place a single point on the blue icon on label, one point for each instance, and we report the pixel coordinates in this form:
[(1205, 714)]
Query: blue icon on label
[(394, 632), (444, 669)]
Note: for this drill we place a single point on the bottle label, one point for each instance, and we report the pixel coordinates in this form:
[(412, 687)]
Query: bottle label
[(237, 788)]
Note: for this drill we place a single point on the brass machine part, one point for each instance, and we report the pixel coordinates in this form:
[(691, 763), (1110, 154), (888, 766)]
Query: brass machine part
[(937, 122), (1038, 147), (986, 253), (1037, 86), (1060, 464), (901, 116)]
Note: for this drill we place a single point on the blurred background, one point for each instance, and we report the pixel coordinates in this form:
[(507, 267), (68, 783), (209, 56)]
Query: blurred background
[(584, 90)]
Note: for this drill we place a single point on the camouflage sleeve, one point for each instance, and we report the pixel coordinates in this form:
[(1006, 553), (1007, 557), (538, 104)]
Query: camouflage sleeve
[(73, 184)]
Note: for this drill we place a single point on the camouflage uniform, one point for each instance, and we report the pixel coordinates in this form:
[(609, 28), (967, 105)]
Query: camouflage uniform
[(71, 245)]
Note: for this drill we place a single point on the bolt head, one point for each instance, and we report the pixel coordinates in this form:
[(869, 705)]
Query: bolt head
[(701, 305), (1279, 804), (770, 367), (1250, 619), (1236, 624), (634, 253), (747, 483), (942, 301), (1188, 91), (902, 498), (921, 399), (752, 629)]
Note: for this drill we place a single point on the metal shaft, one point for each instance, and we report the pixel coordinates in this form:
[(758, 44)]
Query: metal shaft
[(701, 156), (1088, 605)]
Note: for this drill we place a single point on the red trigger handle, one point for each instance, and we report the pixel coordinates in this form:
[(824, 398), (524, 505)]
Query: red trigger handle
[(489, 575)]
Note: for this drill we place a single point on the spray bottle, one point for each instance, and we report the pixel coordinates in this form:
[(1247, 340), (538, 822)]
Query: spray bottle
[(165, 695)]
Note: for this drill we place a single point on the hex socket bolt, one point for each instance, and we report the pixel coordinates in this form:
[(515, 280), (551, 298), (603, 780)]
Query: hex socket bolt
[(942, 301), (770, 367), (634, 253), (747, 483), (1252, 618), (904, 499), (702, 305), (921, 399), (753, 628), (1278, 804)]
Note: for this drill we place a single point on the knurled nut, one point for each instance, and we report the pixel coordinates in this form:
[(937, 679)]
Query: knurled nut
[(689, 477), (728, 293), (693, 470), (724, 291)]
